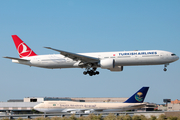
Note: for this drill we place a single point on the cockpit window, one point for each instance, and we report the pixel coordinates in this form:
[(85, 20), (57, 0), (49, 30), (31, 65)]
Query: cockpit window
[(173, 54)]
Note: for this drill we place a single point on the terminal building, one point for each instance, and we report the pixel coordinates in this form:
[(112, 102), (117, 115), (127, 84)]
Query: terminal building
[(174, 105), (170, 105)]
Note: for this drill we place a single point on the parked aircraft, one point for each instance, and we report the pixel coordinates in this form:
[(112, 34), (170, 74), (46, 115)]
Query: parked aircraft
[(134, 102), (113, 61)]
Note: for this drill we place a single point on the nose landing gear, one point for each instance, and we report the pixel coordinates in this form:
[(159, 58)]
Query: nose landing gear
[(165, 69), (165, 65)]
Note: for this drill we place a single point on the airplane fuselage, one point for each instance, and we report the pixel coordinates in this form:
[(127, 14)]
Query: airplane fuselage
[(134, 102), (121, 58), (83, 107), (113, 61)]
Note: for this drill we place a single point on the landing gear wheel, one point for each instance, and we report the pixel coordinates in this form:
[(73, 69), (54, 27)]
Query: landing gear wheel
[(85, 73), (165, 65), (91, 72), (97, 72), (165, 69)]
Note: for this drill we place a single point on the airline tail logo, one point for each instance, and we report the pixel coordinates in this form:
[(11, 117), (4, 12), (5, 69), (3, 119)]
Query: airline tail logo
[(138, 97), (22, 48)]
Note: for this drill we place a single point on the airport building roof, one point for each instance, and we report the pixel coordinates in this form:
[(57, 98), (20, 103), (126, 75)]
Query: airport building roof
[(42, 99), (101, 99), (15, 100)]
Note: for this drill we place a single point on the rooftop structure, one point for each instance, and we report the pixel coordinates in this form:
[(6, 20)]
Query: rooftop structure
[(174, 105), (42, 99), (175, 101)]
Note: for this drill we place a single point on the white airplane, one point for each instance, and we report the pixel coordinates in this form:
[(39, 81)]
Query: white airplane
[(113, 61), (134, 102)]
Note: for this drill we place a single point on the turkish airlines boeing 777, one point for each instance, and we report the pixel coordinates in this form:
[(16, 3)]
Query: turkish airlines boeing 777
[(113, 61)]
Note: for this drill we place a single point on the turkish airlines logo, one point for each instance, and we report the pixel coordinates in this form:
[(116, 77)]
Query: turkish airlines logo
[(23, 50)]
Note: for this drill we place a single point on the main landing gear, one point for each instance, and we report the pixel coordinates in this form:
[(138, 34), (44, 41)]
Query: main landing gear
[(91, 72), (165, 65)]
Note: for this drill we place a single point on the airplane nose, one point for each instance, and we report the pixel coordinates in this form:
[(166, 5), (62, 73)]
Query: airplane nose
[(36, 107), (177, 58)]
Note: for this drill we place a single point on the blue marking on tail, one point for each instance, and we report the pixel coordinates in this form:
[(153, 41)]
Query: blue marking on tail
[(139, 96)]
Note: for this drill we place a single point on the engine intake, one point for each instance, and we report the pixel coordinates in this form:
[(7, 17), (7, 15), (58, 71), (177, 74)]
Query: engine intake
[(107, 63)]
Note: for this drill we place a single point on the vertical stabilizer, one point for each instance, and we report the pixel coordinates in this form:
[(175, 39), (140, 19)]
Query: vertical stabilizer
[(139, 96), (22, 48)]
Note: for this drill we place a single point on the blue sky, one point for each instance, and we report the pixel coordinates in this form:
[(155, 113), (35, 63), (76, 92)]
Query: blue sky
[(89, 26)]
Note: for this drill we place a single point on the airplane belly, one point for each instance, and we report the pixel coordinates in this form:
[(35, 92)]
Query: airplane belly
[(49, 110)]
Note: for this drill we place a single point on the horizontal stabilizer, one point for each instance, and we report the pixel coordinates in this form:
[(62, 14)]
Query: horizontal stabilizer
[(16, 58)]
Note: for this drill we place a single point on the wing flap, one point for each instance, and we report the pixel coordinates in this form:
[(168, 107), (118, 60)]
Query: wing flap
[(13, 58), (75, 56)]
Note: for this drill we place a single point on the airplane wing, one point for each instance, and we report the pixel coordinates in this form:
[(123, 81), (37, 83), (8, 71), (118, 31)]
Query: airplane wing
[(75, 56), (13, 58)]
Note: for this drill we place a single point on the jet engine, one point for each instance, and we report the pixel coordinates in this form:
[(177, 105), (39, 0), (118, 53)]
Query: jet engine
[(87, 111), (107, 63), (73, 112), (110, 64)]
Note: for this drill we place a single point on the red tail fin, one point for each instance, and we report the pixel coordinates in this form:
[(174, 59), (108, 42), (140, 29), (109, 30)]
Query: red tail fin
[(22, 48)]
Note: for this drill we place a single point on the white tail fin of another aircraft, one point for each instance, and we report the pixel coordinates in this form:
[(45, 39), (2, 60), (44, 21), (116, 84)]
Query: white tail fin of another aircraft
[(22, 48)]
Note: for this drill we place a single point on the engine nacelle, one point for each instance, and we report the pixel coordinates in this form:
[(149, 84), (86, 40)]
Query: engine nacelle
[(87, 111), (107, 63), (117, 68), (73, 112)]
